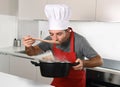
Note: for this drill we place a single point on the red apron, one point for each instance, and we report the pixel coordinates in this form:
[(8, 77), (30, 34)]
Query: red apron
[(76, 78)]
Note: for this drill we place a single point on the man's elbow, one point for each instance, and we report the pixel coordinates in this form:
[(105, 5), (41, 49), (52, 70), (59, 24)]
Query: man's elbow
[(100, 61)]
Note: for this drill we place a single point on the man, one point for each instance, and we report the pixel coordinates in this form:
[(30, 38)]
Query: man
[(72, 47)]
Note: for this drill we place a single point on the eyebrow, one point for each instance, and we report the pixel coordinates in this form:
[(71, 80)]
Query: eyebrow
[(57, 32)]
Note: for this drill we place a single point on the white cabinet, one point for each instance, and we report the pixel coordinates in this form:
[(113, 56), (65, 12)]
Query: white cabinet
[(43, 29), (34, 9), (80, 9), (108, 10), (31, 9), (8, 7), (4, 63), (22, 67), (41, 79)]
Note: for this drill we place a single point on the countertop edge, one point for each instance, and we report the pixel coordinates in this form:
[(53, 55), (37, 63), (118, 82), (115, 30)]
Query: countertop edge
[(13, 51), (105, 70)]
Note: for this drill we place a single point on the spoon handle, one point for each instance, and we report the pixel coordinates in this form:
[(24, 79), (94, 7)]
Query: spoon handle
[(47, 41)]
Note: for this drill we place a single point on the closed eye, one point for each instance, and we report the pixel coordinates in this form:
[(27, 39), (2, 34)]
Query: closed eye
[(51, 34), (59, 34)]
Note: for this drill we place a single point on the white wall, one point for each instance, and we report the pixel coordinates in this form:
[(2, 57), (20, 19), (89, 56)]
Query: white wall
[(8, 30), (103, 36)]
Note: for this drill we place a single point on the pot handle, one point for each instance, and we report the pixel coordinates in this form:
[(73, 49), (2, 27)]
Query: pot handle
[(75, 63), (35, 63)]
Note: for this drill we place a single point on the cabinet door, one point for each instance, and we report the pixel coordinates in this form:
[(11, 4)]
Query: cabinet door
[(22, 67), (80, 9), (34, 9), (4, 63), (43, 29), (108, 10), (8, 7), (31, 9)]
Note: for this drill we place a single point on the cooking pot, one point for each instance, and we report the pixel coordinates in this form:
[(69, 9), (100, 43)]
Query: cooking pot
[(55, 69)]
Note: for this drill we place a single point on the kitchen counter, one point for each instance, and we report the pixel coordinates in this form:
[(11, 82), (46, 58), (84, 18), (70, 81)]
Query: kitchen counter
[(111, 66), (112, 71), (7, 80), (15, 52)]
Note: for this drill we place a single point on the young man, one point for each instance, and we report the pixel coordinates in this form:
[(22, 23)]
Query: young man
[(72, 47)]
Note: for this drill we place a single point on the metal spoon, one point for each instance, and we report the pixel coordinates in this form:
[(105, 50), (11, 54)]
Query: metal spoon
[(47, 41)]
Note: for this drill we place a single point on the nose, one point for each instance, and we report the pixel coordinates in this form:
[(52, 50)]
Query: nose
[(55, 38)]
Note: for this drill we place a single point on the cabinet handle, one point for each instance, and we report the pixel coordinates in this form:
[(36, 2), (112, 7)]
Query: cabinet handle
[(41, 34)]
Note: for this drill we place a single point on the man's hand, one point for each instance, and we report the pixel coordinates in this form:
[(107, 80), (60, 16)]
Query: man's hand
[(79, 66), (28, 41)]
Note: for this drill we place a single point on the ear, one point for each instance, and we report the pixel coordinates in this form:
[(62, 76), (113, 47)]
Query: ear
[(68, 30)]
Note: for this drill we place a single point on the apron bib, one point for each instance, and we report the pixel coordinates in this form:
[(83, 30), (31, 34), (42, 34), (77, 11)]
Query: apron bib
[(75, 78)]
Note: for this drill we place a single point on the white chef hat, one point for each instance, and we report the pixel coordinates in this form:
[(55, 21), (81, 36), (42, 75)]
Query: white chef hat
[(58, 16)]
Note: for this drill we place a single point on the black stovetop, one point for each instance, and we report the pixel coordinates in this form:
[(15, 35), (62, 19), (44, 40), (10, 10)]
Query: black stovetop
[(111, 64)]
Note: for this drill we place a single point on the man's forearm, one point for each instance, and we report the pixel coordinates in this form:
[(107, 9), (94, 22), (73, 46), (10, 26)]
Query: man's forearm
[(93, 62), (33, 50)]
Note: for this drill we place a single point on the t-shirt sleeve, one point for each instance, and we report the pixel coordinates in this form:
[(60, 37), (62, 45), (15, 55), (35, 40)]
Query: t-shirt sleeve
[(45, 46), (87, 49)]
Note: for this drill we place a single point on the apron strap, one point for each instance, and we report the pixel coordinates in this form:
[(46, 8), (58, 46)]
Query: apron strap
[(71, 40)]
